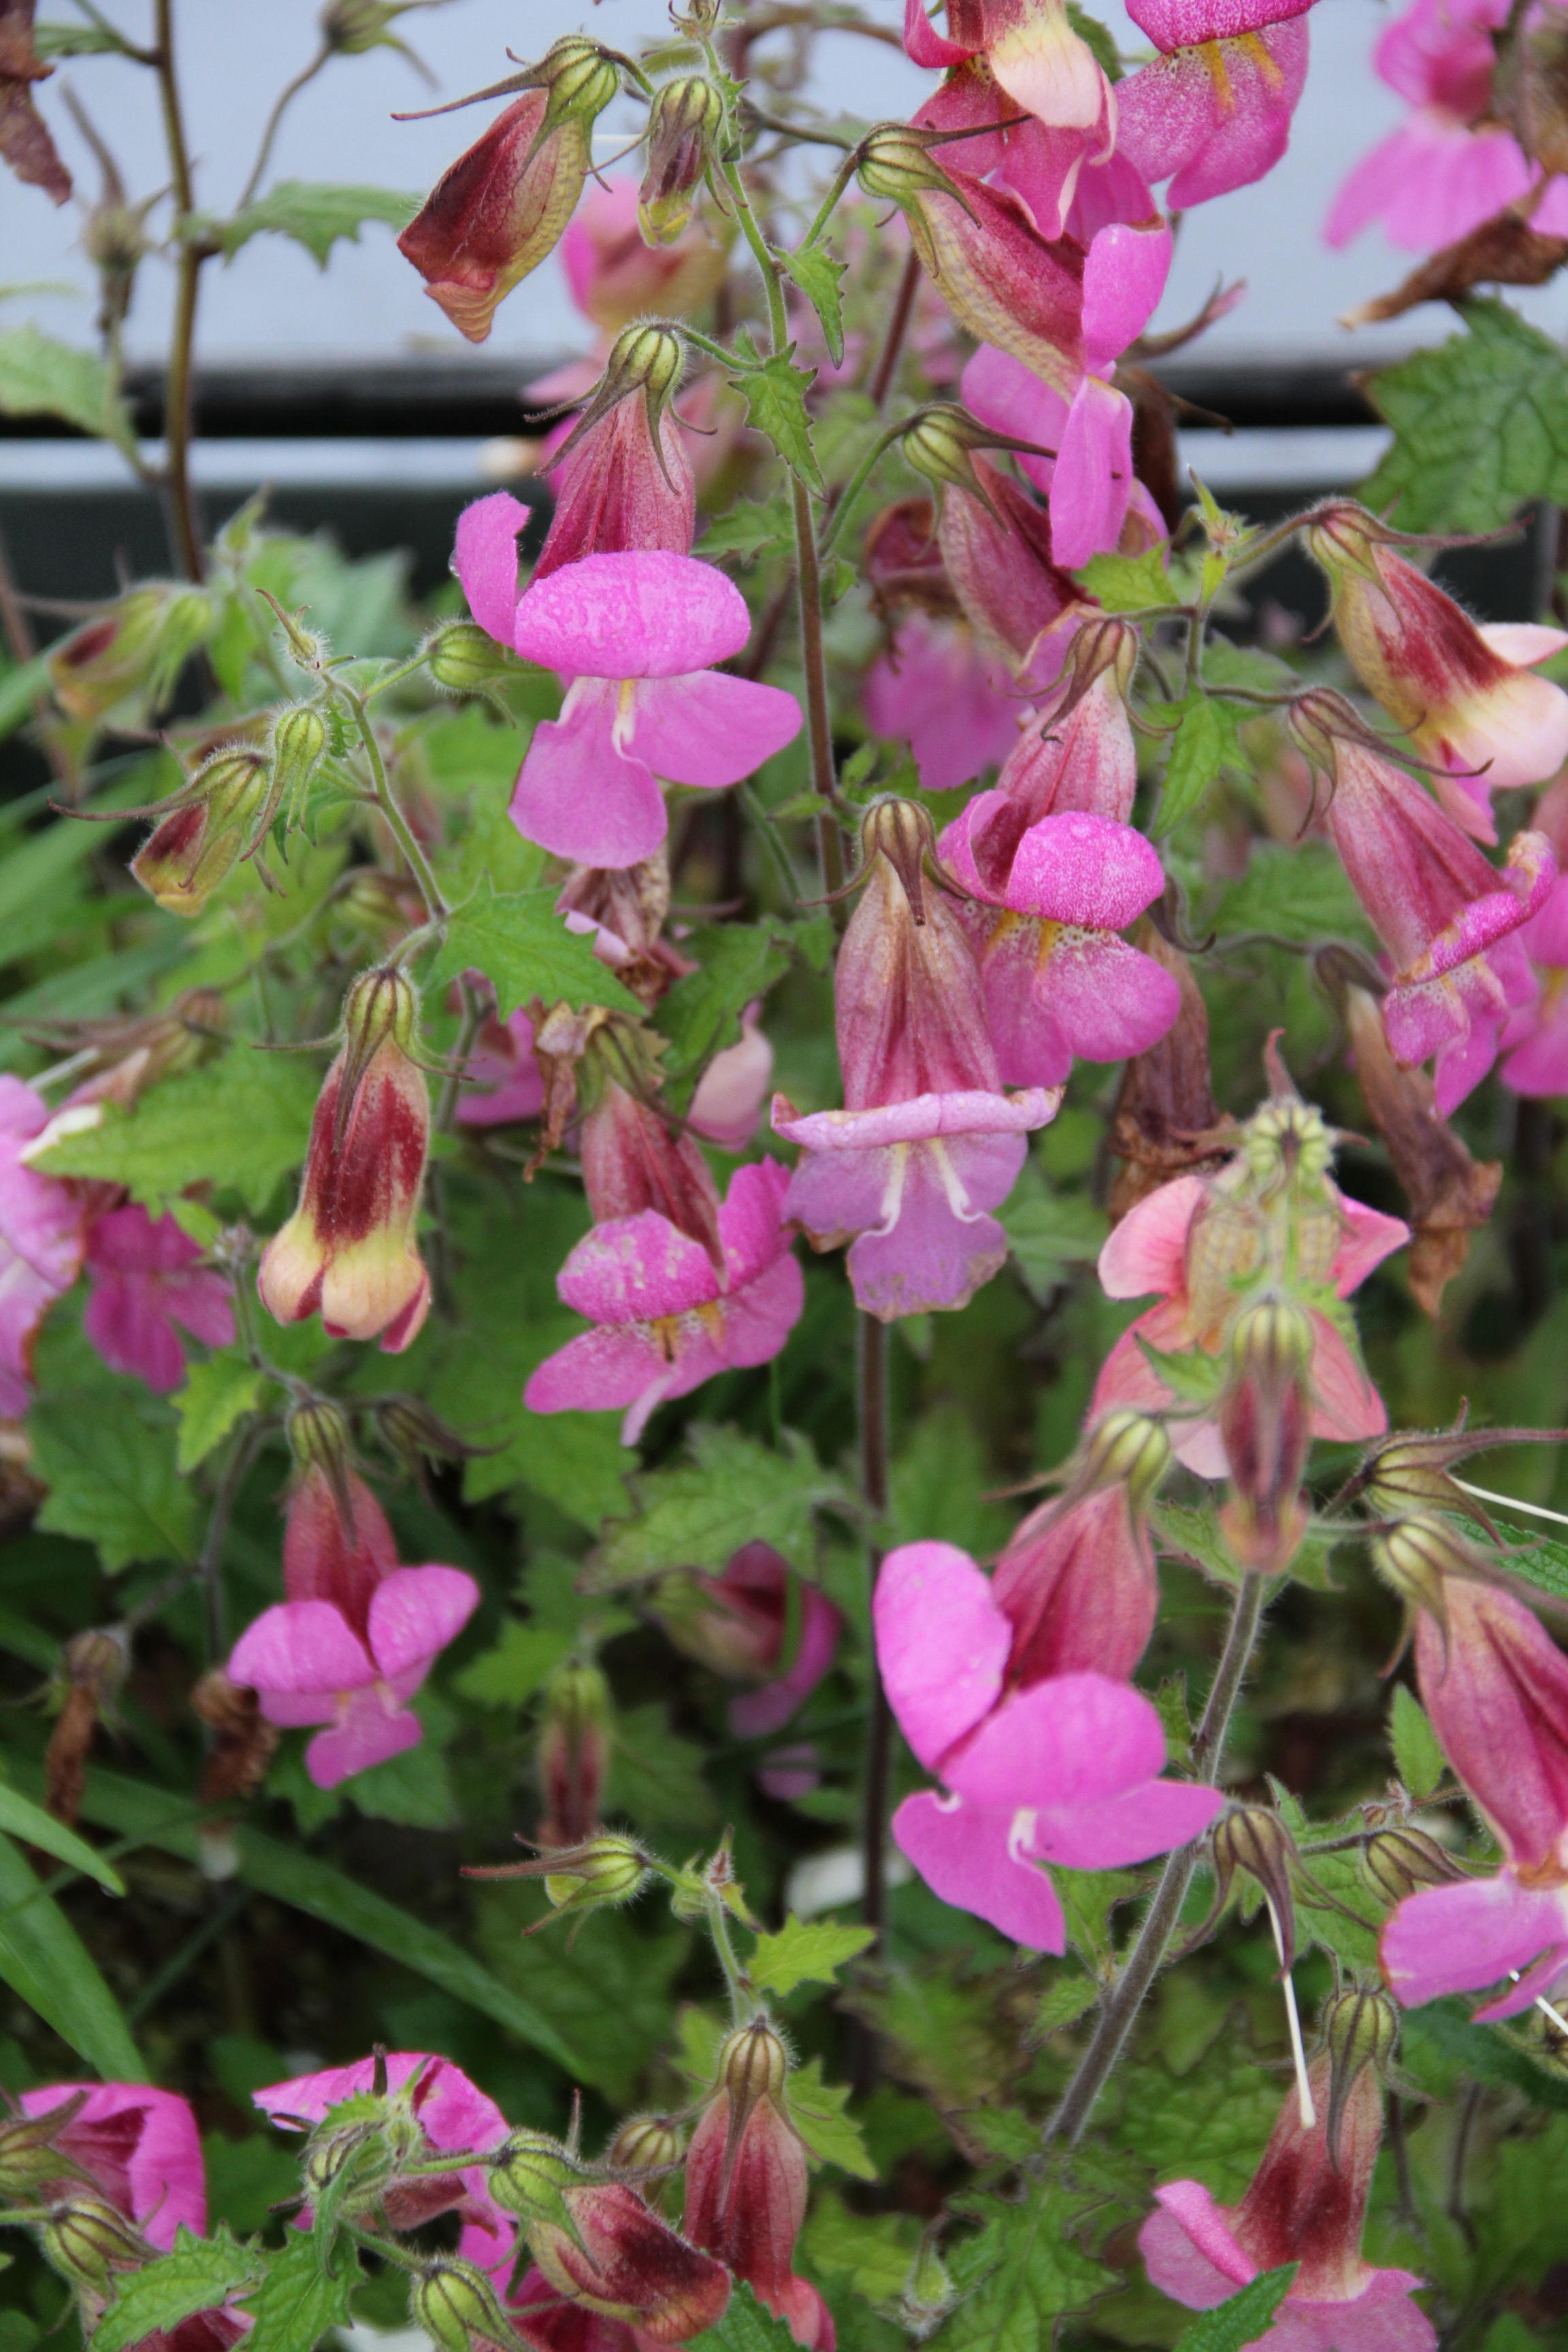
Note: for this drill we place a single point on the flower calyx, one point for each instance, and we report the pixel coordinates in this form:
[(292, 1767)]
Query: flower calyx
[(1400, 1861), (894, 164), (1253, 1840), (1360, 2028), (902, 832), (649, 357), (89, 2242), (456, 2305)]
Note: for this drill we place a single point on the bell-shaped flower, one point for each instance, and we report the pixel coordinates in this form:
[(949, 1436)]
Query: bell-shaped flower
[(611, 2253), (746, 2182), (927, 1143), (1077, 1580), (453, 2114), (730, 1093), (1216, 116), (937, 688), (1057, 981), (1447, 918), (623, 479), (42, 1239), (1077, 751), (138, 2145), (348, 1253), (634, 637), (147, 1284), (1305, 2205), (356, 1635), (1203, 1243), (1065, 1771), (1465, 695), (736, 1622), (997, 549), (545, 2319)]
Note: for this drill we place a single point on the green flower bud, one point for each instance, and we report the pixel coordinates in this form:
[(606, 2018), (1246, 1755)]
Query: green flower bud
[(645, 2144), (381, 1007), (298, 741), (580, 78), (319, 1436), (1126, 1448), (685, 119), (1360, 2028), (607, 1869), (1417, 1554), (89, 2242), (221, 816), (463, 658), (528, 2171), (136, 648), (454, 2302), (752, 2065), (1401, 1862), (928, 2294), (896, 165)]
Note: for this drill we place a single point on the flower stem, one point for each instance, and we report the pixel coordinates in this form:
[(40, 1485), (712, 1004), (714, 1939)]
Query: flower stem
[(1120, 2011), (436, 906), (898, 326), (185, 528)]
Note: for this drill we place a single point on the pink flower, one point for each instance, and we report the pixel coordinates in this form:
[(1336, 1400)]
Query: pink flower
[(452, 2114), (1065, 1771), (926, 1142), (41, 1240), (141, 2148), (148, 1284), (544, 2318), (1304, 2206), (938, 689), (746, 2184), (1013, 54), (1162, 1245), (730, 1093), (736, 1622), (1216, 116), (625, 483), (632, 636), (1078, 1581), (357, 1635), (505, 1080), (498, 211), (613, 276), (1535, 1040), (1001, 562)]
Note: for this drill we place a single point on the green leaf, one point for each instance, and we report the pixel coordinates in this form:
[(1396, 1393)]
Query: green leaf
[(732, 1491), (1210, 2124), (1129, 583), (1297, 890), (819, 2112), (216, 1395), (774, 391), (657, 1777), (613, 1999), (520, 1664), (1480, 424), (819, 278), (1050, 1231), (1099, 38), (702, 1014), (1206, 741), (1483, 2051), (1022, 2272), (198, 2274), (46, 1963), (748, 527), (298, 2302), (746, 2326), (1064, 2003), (1196, 1378), (113, 1481), (20, 1818), (874, 2251), (1539, 1559), (524, 950), (77, 41), (1241, 2319), (938, 1486), (240, 1124), (42, 377), (1419, 1760), (805, 1951), (315, 215)]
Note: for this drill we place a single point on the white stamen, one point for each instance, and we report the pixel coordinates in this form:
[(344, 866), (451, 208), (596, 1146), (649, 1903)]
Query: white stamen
[(1558, 2019), (1510, 1502), (1293, 2020)]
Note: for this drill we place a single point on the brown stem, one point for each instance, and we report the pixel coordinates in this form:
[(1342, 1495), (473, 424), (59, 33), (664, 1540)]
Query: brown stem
[(898, 326), (185, 529)]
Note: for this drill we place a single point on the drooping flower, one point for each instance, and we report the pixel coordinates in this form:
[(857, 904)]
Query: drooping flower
[(596, 2242), (147, 1285), (927, 1143), (138, 2145), (1306, 2205), (431, 2108), (348, 1253), (1465, 695), (1066, 1770), (736, 1622), (356, 1635), (746, 2181), (634, 637), (1216, 116), (623, 477), (1077, 1580), (41, 1240)]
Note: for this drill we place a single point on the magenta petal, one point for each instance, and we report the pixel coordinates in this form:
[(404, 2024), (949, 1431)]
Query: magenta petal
[(1123, 280), (636, 1270), (649, 614), (1458, 1939), (415, 1612), (1128, 1827), (1085, 870), (925, 45), (965, 1857), (762, 1711), (1073, 1740), (577, 793), (159, 2182), (1217, 117), (1190, 2250), (938, 689), (485, 560), (611, 1366), (371, 1730), (1107, 999), (125, 1321), (304, 1647), (941, 1644), (1093, 477), (708, 728), (1368, 1238), (748, 1221)]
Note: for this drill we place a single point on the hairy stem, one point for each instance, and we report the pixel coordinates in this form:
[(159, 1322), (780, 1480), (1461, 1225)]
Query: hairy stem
[(185, 528), (1120, 2010), (436, 906)]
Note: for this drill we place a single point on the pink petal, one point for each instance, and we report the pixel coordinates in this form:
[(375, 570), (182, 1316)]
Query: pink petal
[(940, 691), (1368, 1238), (1107, 999), (1346, 1405), (709, 728), (750, 1221), (1458, 1939), (303, 1647), (1084, 869), (160, 2184), (941, 1644), (609, 1367), (485, 560), (1433, 182), (415, 1612), (762, 1711), (934, 1245), (923, 1119), (1182, 24), (648, 613), (1128, 1827), (372, 1731), (1147, 1251), (636, 1270), (964, 1857), (577, 794), (925, 45), (1093, 477), (1381, 2318), (1190, 2250), (1073, 1740), (1523, 643), (1010, 397), (1123, 280), (1219, 118), (124, 1321)]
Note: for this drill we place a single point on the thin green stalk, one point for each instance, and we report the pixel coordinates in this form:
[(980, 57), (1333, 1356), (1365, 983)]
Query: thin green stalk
[(741, 2002), (856, 483), (436, 906), (178, 384), (762, 255)]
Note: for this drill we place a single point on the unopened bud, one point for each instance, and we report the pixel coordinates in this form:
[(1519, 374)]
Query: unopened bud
[(1398, 1862), (319, 1436), (573, 1753), (221, 816), (580, 78), (685, 119), (463, 658), (752, 2065), (455, 2304), (350, 27), (1360, 2028), (941, 444), (412, 1434), (528, 2171), (352, 2165), (896, 165), (607, 1869), (381, 1008), (1417, 1554), (645, 2144), (89, 2242), (928, 2294), (1126, 1448), (29, 2160), (299, 743), (137, 648), (1265, 1421), (1252, 1839)]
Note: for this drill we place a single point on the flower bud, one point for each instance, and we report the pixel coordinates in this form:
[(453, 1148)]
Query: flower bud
[(350, 29), (319, 1436), (221, 816), (299, 743), (1126, 1448), (137, 648), (605, 1869), (1397, 1862), (928, 2293), (466, 659), (1417, 1554), (685, 119), (573, 1753), (579, 78), (1252, 1839), (901, 832), (528, 2172), (1265, 1415), (1360, 2028), (455, 2304), (29, 2159), (89, 2243), (896, 165), (752, 2065), (941, 443), (645, 2144)]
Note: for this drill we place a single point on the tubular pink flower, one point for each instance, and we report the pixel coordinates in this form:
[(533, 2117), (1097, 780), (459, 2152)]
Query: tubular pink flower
[(453, 2113), (1149, 1251), (543, 2317), (617, 492), (614, 277), (147, 1286), (1065, 1771), (1217, 116), (666, 1317), (1079, 1586), (41, 1240), (1034, 56), (938, 689), (1304, 2206), (355, 1637), (1089, 485), (1006, 283), (634, 637), (141, 2148), (1001, 563)]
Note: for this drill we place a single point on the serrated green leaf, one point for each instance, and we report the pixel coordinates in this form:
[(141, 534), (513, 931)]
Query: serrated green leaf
[(524, 950), (873, 2252), (196, 2274), (657, 1777), (240, 1124), (46, 1963), (217, 1394), (298, 2302), (1480, 424), (805, 1951), (315, 214), (1205, 742), (820, 279), (1129, 583), (1297, 890), (1539, 1559), (20, 1818), (1241, 2319), (40, 377), (937, 1490), (1419, 1758), (520, 1664), (818, 2111), (1023, 2271), (737, 963), (747, 2326), (749, 527), (733, 1490), (1064, 2003), (113, 1481), (774, 391), (1210, 2124), (612, 2000)]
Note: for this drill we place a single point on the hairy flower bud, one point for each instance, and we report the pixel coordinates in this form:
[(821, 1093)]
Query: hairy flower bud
[(528, 2172), (1254, 1841), (1265, 1423), (299, 744), (457, 2306), (928, 2293), (901, 830), (752, 2065), (572, 1755), (319, 1436), (604, 1870), (684, 120), (1397, 1862), (89, 2243), (1360, 2028), (746, 2180), (1417, 1554), (645, 2144), (135, 649), (221, 816), (896, 165), (463, 658)]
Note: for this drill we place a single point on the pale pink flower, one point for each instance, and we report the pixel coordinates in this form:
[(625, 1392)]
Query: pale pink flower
[(41, 1240), (938, 689), (141, 2148), (728, 1098), (1035, 58), (147, 1285)]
